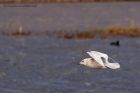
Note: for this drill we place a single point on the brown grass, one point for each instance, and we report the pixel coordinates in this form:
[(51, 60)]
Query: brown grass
[(103, 33), (16, 33), (120, 31)]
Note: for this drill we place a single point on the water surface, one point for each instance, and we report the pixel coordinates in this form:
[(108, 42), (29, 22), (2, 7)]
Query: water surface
[(47, 65), (80, 16)]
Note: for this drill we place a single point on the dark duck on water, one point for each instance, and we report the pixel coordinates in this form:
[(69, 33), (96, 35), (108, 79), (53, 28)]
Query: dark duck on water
[(116, 43)]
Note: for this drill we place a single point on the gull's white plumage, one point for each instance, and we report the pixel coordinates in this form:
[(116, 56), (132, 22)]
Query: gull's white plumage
[(97, 56), (102, 60), (90, 63), (113, 65)]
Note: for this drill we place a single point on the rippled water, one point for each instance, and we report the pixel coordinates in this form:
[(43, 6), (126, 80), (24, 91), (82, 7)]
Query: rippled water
[(47, 65)]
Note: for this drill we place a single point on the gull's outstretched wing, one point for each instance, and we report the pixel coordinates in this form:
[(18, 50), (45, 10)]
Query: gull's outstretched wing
[(105, 56), (113, 65), (102, 59), (97, 56)]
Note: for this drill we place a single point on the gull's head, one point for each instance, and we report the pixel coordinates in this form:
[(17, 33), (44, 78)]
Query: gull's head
[(85, 61)]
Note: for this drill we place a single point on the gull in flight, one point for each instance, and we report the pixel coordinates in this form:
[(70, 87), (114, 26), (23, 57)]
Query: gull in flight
[(99, 60)]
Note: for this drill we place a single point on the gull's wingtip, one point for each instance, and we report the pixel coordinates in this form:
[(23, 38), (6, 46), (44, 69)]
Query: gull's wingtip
[(113, 65)]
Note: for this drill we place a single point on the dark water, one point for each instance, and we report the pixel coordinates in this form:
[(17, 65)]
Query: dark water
[(69, 16), (46, 65)]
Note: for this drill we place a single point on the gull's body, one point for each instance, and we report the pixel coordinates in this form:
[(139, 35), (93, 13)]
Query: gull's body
[(98, 57), (99, 60), (90, 63)]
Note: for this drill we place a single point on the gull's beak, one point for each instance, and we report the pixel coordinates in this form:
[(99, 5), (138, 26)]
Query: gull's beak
[(81, 62)]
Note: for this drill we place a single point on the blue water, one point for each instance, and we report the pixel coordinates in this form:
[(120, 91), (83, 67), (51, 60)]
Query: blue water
[(37, 64)]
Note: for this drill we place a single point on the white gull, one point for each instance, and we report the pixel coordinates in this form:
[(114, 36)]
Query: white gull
[(99, 60)]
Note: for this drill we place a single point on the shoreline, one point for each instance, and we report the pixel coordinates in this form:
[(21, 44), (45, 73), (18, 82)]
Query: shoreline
[(132, 32)]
